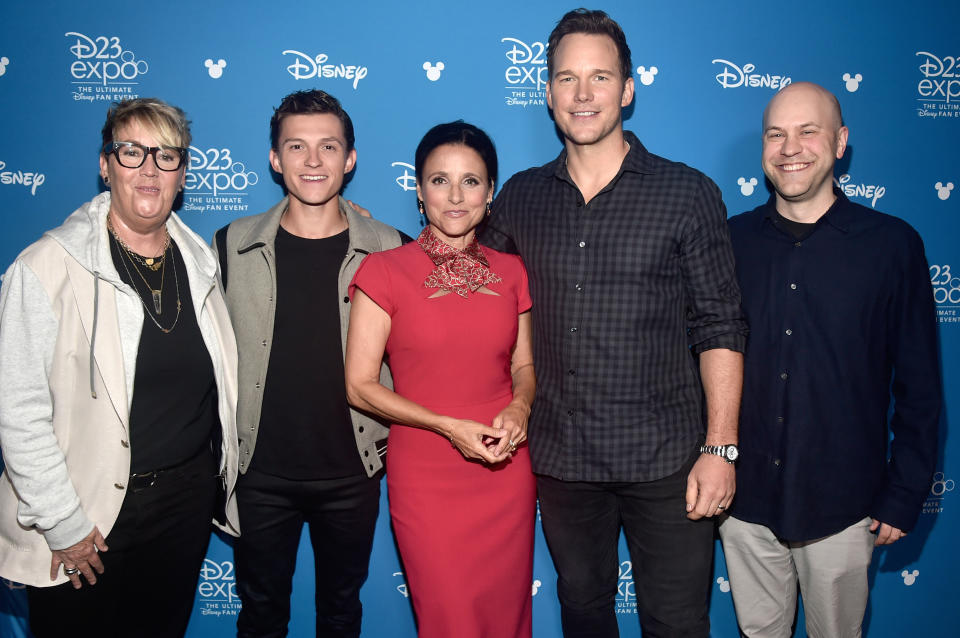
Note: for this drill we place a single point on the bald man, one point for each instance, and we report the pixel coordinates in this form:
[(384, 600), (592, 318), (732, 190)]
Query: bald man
[(841, 313)]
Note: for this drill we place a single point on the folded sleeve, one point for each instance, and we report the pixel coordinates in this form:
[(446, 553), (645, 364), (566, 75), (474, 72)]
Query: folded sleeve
[(714, 316)]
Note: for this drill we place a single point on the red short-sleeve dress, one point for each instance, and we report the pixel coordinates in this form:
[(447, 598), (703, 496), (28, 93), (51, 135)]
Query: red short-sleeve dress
[(464, 528)]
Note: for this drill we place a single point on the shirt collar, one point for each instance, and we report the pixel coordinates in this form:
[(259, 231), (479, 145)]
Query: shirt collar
[(841, 214), (638, 160)]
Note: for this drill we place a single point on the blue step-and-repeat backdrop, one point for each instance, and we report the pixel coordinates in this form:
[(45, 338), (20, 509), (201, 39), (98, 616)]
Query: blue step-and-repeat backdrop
[(703, 72)]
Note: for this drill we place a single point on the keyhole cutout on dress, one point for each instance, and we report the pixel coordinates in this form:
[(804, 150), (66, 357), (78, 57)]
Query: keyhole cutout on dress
[(482, 289)]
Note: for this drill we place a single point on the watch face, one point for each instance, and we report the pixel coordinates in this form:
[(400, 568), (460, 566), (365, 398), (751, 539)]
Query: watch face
[(732, 452)]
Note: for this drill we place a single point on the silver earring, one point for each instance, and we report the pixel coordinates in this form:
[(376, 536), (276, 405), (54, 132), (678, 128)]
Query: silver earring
[(420, 206)]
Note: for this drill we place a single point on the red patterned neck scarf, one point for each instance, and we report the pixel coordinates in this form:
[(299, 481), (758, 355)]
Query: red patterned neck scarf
[(459, 271)]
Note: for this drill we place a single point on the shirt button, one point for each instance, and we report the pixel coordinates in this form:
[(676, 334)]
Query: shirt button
[(793, 286), (779, 419), (569, 412), (124, 443), (777, 462), (797, 244), (346, 300), (571, 372), (582, 244), (118, 486), (360, 429), (783, 375), (573, 329), (788, 331), (257, 385), (579, 287)]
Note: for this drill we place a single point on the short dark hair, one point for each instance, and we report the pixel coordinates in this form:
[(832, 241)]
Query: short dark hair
[(458, 132), (309, 103), (592, 23)]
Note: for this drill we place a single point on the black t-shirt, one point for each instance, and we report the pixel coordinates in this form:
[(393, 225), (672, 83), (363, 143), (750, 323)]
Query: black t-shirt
[(174, 407), (799, 230), (305, 428)]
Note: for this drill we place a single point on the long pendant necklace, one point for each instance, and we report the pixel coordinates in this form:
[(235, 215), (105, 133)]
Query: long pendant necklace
[(156, 295)]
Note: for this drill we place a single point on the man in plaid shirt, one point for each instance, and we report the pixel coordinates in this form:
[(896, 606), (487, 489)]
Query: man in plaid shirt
[(638, 336)]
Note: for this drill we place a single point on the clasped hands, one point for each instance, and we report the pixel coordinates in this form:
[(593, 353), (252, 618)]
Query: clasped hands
[(492, 443)]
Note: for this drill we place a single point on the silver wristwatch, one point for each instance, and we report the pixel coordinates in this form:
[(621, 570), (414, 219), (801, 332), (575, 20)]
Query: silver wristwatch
[(728, 453)]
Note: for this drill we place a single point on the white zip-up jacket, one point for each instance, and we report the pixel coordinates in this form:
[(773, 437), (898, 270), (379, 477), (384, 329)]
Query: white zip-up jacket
[(69, 333)]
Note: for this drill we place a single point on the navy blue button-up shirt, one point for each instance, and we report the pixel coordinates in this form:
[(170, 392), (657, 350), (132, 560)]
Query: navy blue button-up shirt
[(840, 321)]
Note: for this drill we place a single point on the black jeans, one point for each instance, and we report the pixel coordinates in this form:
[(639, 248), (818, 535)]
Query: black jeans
[(341, 514), (151, 568), (672, 555)]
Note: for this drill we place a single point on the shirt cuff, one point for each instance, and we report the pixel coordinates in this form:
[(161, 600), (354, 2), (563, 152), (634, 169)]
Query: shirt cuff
[(894, 511), (731, 341), (69, 531)]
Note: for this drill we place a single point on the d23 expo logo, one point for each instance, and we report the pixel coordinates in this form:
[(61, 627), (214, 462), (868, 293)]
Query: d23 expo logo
[(626, 590), (939, 488), (525, 76), (216, 182), (217, 589), (946, 292), (938, 90), (102, 69)]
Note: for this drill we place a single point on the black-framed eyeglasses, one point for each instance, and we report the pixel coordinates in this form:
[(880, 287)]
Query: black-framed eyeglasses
[(132, 155)]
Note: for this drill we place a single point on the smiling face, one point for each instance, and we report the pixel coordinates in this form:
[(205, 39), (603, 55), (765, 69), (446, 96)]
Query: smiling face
[(455, 190), (141, 198), (587, 91), (312, 156), (802, 140)]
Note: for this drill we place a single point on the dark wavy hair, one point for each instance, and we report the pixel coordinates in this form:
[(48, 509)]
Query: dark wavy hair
[(308, 103), (592, 23)]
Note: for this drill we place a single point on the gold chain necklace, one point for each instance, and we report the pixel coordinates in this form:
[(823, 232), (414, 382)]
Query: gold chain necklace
[(155, 294), (153, 263)]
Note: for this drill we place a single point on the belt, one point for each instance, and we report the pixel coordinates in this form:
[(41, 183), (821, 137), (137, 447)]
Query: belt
[(144, 480)]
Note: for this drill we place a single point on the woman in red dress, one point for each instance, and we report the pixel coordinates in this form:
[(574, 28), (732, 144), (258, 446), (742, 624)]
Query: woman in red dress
[(453, 319)]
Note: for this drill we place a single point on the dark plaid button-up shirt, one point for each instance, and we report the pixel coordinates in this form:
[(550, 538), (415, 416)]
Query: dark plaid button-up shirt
[(627, 290)]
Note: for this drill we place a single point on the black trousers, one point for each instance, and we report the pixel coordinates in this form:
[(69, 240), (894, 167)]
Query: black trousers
[(151, 569), (671, 555), (342, 516)]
